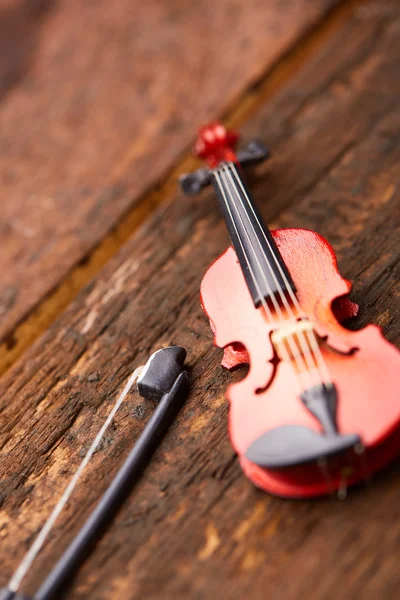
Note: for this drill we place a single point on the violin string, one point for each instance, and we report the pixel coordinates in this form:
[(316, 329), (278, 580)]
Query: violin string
[(310, 334), (282, 348), (324, 470), (265, 305), (310, 366), (40, 539)]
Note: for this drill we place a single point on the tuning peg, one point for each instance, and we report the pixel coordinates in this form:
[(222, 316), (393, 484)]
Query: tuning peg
[(192, 183), (254, 153)]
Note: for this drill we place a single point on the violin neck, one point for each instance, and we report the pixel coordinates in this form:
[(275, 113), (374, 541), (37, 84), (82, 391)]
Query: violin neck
[(262, 265)]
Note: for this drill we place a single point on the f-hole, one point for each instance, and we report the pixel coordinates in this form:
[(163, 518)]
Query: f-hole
[(275, 360)]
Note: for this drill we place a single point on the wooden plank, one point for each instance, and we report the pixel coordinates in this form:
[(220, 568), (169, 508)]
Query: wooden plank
[(92, 95), (195, 528)]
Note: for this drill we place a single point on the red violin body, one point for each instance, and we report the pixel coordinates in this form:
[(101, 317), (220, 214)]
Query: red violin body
[(363, 365), (319, 408)]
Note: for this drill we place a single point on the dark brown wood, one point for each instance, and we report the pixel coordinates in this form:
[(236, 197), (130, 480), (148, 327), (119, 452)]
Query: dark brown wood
[(98, 100), (195, 528)]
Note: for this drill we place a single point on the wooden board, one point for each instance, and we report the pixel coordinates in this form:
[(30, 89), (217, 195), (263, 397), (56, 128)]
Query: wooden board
[(97, 102), (195, 528)]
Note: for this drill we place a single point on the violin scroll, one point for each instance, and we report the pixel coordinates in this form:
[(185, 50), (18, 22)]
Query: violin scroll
[(216, 144)]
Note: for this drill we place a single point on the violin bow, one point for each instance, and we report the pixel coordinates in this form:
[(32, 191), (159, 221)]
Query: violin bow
[(164, 380)]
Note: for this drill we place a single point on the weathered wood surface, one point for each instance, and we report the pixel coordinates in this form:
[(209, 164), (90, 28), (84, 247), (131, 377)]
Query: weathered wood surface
[(195, 528), (97, 101)]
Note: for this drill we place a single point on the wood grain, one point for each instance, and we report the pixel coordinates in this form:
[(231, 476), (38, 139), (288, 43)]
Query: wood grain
[(98, 100), (195, 528)]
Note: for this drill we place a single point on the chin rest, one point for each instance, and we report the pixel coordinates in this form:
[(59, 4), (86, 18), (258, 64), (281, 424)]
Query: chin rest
[(293, 445)]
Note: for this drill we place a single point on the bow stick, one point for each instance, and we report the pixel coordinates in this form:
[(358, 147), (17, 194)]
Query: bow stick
[(164, 380)]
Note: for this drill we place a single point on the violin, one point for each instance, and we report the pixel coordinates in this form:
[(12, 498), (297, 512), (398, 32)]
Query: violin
[(319, 409)]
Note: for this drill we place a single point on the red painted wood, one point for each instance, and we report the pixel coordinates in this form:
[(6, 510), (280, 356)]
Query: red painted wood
[(366, 379), (215, 144)]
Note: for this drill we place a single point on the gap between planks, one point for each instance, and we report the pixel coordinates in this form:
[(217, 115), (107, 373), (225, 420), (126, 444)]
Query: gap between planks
[(259, 92)]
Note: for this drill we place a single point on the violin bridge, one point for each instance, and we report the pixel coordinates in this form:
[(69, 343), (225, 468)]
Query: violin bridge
[(290, 332)]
